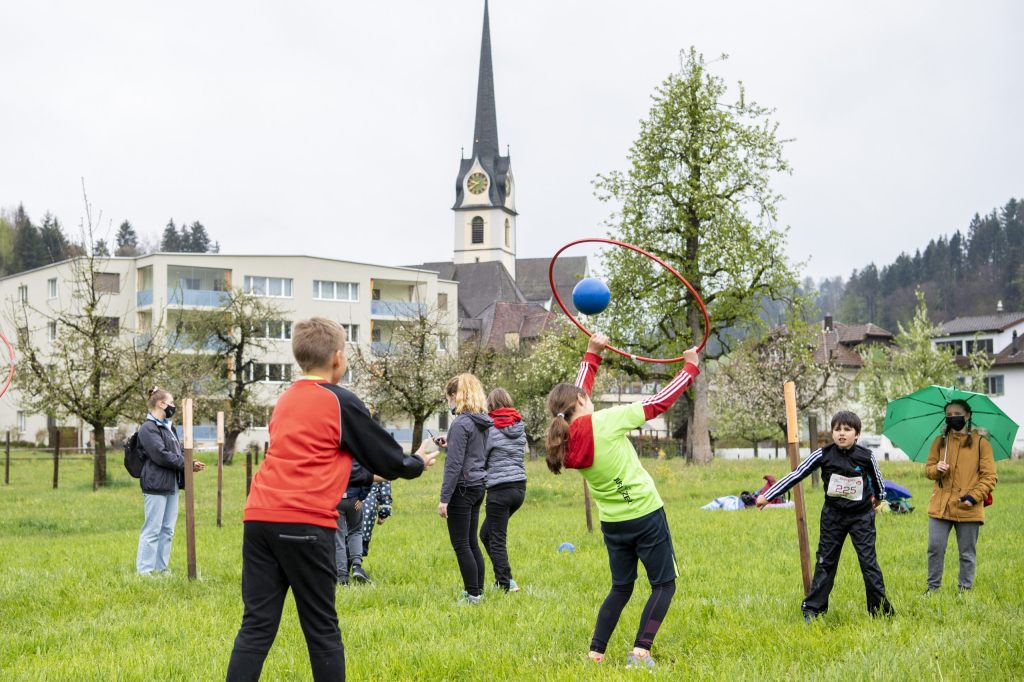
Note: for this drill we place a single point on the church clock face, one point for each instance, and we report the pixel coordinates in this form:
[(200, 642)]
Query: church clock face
[(477, 183)]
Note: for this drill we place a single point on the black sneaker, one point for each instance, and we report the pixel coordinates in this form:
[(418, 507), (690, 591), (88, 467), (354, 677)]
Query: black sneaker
[(359, 575)]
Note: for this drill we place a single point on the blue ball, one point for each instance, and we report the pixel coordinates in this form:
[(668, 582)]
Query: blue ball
[(591, 296)]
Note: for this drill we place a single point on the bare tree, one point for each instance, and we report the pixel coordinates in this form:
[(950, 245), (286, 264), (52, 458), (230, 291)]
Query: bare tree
[(96, 367)]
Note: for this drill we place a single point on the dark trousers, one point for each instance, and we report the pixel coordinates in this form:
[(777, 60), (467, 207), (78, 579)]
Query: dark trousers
[(463, 518), (501, 504), (276, 556), (835, 526), (348, 539)]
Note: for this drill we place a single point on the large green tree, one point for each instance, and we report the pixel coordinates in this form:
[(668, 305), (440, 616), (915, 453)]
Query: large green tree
[(697, 194)]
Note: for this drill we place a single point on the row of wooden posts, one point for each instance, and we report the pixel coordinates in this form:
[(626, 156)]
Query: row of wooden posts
[(187, 445), (793, 452)]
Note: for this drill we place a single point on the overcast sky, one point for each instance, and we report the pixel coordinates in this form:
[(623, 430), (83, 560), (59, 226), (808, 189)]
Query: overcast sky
[(335, 128)]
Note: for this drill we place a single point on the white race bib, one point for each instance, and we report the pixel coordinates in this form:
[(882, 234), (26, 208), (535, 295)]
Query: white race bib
[(848, 488)]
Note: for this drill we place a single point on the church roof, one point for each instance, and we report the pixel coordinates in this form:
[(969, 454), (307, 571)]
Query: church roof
[(526, 320), (480, 284), (532, 279), (485, 131)]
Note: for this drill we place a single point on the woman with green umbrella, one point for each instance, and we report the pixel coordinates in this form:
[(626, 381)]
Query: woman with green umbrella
[(961, 464)]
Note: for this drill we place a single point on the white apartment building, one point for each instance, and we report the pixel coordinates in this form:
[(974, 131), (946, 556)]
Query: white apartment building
[(144, 292)]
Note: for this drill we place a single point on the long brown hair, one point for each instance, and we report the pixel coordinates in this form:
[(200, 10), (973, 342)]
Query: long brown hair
[(498, 398), (561, 404)]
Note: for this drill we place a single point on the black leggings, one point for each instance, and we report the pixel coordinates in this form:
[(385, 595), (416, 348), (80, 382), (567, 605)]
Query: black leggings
[(463, 518), (650, 620), (502, 503)]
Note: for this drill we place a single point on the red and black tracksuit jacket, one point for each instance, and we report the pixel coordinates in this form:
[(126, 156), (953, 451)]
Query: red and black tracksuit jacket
[(316, 430)]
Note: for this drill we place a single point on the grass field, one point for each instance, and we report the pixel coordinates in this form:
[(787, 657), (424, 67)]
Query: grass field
[(72, 608)]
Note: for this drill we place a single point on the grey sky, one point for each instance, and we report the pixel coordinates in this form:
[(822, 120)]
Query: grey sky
[(334, 128)]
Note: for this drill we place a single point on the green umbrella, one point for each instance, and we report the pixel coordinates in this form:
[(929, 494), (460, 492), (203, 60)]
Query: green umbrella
[(915, 420)]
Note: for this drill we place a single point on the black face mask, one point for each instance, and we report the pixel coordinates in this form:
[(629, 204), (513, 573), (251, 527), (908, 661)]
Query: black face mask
[(452, 410), (956, 423), (169, 411)]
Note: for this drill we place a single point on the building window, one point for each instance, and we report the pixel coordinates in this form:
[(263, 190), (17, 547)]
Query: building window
[(375, 294), (955, 347), (508, 232), (375, 335), (442, 342), (346, 378), (51, 288), (478, 230), (23, 293), (110, 325), (270, 373), (335, 291), (274, 329), (22, 422), (110, 282), (271, 287), (442, 301), (994, 384), (51, 330), (351, 332), (984, 345)]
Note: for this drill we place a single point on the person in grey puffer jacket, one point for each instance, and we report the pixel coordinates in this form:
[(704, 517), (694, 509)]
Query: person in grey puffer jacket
[(162, 476), (462, 489), (505, 481)]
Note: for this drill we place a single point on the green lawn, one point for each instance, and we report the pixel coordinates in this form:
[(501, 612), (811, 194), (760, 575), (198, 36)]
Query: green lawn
[(72, 608)]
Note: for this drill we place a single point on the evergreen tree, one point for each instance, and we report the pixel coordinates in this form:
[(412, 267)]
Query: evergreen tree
[(100, 248), (54, 241), (6, 244), (171, 241), (127, 240), (198, 241), (29, 251)]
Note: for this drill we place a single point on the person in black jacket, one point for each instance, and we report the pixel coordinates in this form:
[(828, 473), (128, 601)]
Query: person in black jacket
[(163, 474), (462, 490), (853, 491)]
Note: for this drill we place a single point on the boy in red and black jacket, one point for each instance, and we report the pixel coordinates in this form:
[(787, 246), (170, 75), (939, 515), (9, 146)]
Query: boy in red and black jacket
[(316, 430)]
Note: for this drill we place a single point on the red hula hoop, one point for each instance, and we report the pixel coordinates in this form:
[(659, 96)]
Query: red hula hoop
[(558, 299), (10, 372)]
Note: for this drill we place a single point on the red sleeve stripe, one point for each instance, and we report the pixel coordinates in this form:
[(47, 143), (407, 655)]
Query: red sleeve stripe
[(679, 384), (581, 375)]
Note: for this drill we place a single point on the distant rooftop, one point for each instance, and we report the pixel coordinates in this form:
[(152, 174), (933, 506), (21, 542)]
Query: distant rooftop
[(996, 322)]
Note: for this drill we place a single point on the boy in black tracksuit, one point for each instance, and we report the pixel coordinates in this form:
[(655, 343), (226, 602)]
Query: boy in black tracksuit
[(853, 490)]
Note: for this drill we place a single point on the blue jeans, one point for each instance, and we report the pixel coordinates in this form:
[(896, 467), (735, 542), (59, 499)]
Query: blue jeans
[(157, 532)]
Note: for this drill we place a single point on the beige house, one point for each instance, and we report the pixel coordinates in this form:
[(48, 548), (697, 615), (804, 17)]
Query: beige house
[(144, 292)]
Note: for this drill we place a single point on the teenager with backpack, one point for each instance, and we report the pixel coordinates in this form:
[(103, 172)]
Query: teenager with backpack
[(162, 476)]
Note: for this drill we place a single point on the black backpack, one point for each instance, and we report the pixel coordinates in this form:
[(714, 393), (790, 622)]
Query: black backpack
[(134, 458)]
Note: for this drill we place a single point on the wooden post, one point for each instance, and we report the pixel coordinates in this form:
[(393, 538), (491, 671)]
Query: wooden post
[(7, 460), (220, 462), (586, 502), (248, 470), (812, 427), (793, 449), (190, 500), (56, 457)]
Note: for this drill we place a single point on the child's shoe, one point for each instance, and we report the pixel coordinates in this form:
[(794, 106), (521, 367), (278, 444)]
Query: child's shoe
[(512, 586), (595, 656), (467, 598), (359, 575), (640, 661)]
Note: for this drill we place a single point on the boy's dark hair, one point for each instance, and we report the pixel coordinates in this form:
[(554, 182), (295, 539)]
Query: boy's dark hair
[(846, 418)]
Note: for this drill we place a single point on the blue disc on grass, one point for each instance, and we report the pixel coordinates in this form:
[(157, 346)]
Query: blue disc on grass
[(591, 296), (566, 547)]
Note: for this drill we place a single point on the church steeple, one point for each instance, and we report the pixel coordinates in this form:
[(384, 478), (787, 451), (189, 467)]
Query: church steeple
[(485, 133), (485, 208)]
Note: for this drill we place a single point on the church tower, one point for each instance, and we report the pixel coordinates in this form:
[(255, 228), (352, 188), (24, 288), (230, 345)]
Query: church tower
[(485, 209)]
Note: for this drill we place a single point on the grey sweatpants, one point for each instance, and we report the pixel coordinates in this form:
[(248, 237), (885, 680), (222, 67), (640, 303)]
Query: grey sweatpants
[(348, 539), (966, 541)]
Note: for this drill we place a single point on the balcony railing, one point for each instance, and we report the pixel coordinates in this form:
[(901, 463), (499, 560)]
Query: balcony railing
[(196, 297), (144, 297), (397, 308), (381, 347)]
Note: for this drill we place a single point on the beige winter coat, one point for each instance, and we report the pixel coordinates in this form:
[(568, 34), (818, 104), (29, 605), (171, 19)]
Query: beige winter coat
[(972, 471)]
